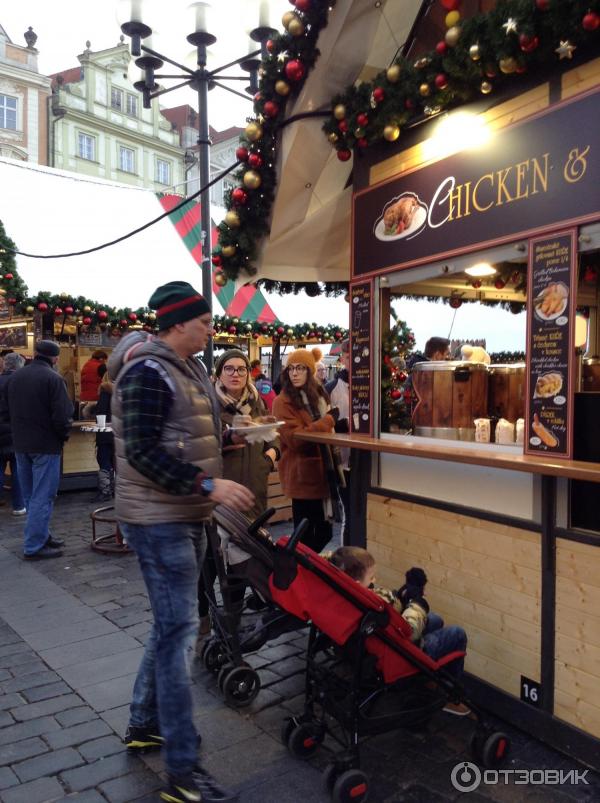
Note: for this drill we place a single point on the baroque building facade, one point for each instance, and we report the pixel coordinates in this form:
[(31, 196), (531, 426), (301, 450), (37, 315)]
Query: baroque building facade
[(24, 95)]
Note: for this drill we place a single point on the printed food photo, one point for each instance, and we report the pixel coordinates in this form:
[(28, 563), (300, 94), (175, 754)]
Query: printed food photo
[(402, 216), (548, 385), (552, 301)]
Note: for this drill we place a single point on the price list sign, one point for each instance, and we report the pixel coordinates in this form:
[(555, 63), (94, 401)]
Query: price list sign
[(361, 319), (550, 358)]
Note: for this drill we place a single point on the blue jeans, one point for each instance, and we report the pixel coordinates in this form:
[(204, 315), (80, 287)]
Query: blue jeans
[(434, 622), (16, 493), (39, 475), (170, 556), (443, 641)]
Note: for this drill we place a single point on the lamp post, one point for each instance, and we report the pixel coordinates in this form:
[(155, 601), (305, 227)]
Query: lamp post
[(201, 80)]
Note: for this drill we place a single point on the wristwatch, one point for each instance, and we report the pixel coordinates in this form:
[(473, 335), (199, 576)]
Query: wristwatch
[(207, 486)]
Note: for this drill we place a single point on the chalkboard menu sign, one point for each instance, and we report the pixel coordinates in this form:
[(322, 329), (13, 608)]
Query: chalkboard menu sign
[(550, 359), (361, 353)]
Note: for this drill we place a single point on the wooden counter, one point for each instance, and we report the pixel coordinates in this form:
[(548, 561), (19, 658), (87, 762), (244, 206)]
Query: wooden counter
[(531, 464)]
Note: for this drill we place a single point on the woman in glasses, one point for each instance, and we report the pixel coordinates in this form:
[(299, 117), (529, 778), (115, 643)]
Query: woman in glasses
[(305, 477)]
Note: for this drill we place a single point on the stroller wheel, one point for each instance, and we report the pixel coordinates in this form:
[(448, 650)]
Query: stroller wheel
[(330, 776), (223, 672), (494, 750), (240, 686), (214, 655), (351, 786), (304, 740), (287, 728)]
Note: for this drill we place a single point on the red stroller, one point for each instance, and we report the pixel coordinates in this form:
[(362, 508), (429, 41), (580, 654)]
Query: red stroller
[(362, 670)]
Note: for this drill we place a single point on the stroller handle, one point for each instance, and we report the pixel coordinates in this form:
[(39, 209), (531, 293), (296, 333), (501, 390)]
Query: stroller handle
[(297, 535), (260, 520)]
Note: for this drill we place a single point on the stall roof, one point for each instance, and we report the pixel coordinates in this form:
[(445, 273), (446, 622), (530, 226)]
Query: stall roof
[(47, 211), (310, 229)]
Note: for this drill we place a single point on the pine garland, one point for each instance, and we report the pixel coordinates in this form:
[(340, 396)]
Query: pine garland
[(397, 344)]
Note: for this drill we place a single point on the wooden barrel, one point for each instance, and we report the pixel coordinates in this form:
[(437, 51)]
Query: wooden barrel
[(591, 374), (451, 395), (507, 391)]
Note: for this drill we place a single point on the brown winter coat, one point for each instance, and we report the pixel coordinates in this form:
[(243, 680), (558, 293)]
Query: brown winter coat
[(301, 468), (248, 465)]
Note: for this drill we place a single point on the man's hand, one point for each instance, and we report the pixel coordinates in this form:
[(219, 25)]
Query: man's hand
[(232, 494)]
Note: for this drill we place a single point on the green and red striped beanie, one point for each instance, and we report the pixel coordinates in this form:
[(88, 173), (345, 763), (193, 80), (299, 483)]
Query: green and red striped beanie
[(177, 302)]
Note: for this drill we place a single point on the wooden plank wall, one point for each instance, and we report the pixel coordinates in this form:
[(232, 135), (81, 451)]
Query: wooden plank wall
[(277, 499), (577, 666), (483, 576)]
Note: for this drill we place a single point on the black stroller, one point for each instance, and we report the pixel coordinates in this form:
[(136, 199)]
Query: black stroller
[(251, 547)]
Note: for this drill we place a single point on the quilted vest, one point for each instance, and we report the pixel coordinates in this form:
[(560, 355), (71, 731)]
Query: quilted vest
[(189, 434)]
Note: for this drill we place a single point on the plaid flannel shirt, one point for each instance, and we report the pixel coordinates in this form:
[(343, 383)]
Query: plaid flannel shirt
[(146, 403)]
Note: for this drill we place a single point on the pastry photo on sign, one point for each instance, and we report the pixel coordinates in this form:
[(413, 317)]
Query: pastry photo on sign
[(552, 301), (548, 385), (402, 216)]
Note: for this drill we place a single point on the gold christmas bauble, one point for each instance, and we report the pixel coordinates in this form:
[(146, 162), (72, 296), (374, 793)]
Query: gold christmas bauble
[(64, 295), (2, 292), (29, 310), (282, 88), (253, 131), (220, 278), (452, 36), (393, 73), (333, 137), (424, 90), (287, 18), (339, 111), (87, 308), (228, 250), (507, 65), (151, 316), (485, 87), (252, 179), (296, 27), (232, 219), (391, 133), (452, 19), (474, 52)]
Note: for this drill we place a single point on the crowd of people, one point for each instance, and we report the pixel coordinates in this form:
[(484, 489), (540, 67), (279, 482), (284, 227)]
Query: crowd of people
[(171, 456)]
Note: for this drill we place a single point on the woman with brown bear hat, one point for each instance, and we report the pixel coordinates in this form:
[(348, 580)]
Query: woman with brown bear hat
[(304, 406)]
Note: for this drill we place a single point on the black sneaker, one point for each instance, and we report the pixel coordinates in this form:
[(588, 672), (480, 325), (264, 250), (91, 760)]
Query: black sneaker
[(196, 787), (43, 553), (55, 543), (143, 740)]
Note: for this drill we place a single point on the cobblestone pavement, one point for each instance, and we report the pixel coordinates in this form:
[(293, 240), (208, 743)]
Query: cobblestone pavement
[(71, 637)]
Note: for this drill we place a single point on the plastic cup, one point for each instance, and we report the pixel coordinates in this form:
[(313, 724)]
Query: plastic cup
[(101, 420)]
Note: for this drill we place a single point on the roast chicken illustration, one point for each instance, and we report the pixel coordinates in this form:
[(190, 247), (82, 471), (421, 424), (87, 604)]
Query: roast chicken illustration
[(398, 216)]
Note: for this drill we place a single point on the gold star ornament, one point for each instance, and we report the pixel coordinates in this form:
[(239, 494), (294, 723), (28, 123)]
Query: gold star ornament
[(565, 50)]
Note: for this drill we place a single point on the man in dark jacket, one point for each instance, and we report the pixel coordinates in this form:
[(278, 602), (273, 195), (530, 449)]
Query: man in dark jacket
[(12, 363), (40, 418)]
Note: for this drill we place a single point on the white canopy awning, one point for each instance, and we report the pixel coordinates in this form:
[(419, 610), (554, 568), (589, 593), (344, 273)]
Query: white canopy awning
[(47, 211), (310, 229)]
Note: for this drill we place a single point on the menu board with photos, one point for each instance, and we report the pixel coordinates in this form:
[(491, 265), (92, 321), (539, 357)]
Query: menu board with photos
[(361, 319), (551, 326)]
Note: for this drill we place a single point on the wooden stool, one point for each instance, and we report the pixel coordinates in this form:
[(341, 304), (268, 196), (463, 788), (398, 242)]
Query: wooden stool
[(111, 543)]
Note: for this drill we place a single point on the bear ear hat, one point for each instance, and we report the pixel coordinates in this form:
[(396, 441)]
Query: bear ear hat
[(317, 354), (416, 577)]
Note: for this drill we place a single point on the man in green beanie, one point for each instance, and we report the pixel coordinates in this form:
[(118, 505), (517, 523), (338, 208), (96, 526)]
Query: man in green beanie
[(165, 419)]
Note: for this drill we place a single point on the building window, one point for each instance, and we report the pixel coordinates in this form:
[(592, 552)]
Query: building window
[(86, 146), (126, 159), (132, 105), (163, 172), (116, 98), (8, 112)]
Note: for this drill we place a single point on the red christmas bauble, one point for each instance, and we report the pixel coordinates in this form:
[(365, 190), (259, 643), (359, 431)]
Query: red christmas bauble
[(8, 276), (455, 302), (441, 48), (123, 322), (476, 284), (295, 70), (68, 310), (343, 126), (12, 300), (42, 306), (344, 154), (255, 335), (450, 5), (338, 335), (216, 260), (280, 330), (58, 311), (362, 119), (255, 160), (395, 393), (132, 316), (378, 94), (409, 104), (441, 80), (239, 197), (528, 43), (591, 21), (87, 321), (402, 376), (270, 45), (499, 284), (542, 5), (302, 5), (103, 315), (241, 154), (271, 109), (363, 142)]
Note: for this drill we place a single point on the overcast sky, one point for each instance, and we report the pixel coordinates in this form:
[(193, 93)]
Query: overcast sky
[(64, 26)]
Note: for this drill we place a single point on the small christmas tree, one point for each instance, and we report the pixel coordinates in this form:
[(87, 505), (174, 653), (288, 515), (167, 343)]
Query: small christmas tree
[(12, 287), (397, 344)]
